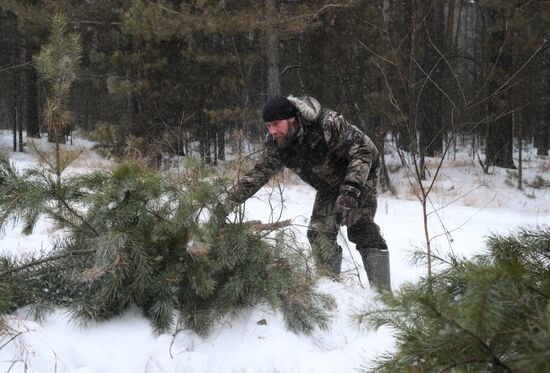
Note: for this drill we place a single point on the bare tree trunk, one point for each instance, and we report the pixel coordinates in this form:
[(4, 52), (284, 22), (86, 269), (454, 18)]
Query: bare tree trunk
[(14, 123), (221, 143), (542, 129), (33, 110), (431, 101), (214, 142), (499, 148), (450, 23), (272, 50), (186, 143), (458, 23), (499, 136), (518, 121), (412, 91), (385, 181), (21, 89), (206, 144), (20, 136), (542, 124), (16, 96)]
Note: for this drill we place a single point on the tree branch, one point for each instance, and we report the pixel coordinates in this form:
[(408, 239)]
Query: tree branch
[(45, 260), (258, 226)]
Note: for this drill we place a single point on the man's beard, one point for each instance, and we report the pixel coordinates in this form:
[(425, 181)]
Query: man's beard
[(283, 141), (286, 140)]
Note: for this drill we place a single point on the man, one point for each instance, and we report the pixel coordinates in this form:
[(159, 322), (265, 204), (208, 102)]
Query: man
[(341, 163)]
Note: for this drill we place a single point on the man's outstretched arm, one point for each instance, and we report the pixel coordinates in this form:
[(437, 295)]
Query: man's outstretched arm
[(268, 165)]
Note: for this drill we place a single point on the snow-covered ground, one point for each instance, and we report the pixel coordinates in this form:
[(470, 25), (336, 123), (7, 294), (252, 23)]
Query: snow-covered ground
[(470, 206)]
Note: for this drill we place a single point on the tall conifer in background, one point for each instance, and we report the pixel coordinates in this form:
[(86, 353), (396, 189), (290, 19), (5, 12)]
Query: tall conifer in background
[(58, 63)]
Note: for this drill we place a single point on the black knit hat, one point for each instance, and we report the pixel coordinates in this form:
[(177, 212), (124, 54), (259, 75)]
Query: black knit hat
[(277, 108)]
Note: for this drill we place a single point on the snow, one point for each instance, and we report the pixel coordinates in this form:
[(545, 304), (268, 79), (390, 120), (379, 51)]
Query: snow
[(470, 206)]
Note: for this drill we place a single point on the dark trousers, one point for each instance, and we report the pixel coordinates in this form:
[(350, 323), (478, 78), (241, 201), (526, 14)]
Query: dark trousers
[(323, 230)]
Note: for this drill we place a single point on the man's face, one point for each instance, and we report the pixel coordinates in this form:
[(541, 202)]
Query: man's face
[(281, 130)]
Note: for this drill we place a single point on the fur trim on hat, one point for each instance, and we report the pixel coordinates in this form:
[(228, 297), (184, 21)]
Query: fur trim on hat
[(309, 107)]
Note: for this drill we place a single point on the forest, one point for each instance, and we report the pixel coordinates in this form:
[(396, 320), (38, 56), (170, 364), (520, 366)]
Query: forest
[(165, 77), (147, 81)]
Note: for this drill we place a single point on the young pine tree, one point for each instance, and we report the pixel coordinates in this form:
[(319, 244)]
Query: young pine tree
[(58, 63), (490, 313)]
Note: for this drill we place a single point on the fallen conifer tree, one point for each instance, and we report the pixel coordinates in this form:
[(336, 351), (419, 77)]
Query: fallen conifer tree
[(133, 236)]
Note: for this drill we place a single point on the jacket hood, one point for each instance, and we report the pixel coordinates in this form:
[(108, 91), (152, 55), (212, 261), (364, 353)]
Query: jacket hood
[(309, 107)]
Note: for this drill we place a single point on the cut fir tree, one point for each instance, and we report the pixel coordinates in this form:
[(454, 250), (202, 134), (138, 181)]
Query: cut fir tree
[(131, 237)]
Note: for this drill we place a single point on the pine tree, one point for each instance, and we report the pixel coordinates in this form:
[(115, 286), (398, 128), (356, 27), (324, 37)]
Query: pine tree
[(58, 63), (135, 236), (489, 313)]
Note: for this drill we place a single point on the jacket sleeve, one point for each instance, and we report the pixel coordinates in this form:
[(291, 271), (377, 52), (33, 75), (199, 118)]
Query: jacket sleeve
[(349, 142), (268, 165)]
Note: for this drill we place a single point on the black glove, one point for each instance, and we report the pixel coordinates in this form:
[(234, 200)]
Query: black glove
[(346, 208)]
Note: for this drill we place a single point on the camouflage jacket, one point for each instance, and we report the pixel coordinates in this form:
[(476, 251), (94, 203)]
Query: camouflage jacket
[(328, 153)]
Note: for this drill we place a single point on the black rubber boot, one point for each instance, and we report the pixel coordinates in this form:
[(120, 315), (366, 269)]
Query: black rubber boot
[(377, 266)]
